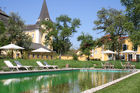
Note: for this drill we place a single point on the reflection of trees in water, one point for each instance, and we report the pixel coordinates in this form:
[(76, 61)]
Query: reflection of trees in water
[(61, 82), (72, 82), (94, 79)]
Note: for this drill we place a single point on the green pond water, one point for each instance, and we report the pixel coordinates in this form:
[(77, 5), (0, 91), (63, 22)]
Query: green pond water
[(74, 81)]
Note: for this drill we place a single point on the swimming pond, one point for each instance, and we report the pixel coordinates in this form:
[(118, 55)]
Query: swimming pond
[(74, 81)]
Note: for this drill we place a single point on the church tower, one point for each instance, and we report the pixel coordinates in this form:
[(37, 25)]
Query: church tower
[(38, 38), (44, 14)]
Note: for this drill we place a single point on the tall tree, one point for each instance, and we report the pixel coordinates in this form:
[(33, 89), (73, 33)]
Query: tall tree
[(133, 15), (113, 23), (3, 37), (87, 44), (15, 31), (60, 31)]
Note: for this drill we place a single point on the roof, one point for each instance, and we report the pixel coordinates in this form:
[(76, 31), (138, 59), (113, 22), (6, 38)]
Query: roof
[(3, 13), (4, 17), (44, 13), (31, 27), (108, 37), (37, 45)]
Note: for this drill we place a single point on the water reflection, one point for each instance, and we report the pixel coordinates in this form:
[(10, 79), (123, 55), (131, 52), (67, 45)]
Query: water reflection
[(70, 82)]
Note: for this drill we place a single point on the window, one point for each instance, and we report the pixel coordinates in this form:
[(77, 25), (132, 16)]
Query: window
[(17, 55), (135, 48), (33, 55), (124, 47), (37, 55), (28, 55), (42, 56), (47, 19), (123, 57), (47, 56), (33, 36), (46, 37), (51, 57), (95, 51)]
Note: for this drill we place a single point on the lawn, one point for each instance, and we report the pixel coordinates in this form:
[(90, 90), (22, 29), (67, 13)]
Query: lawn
[(62, 63), (129, 85)]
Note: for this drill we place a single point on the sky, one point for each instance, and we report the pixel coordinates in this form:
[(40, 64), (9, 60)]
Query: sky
[(85, 10)]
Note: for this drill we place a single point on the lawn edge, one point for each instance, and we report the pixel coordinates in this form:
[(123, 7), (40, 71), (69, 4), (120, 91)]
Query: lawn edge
[(92, 90)]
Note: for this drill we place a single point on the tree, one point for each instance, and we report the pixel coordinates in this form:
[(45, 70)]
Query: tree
[(15, 31), (87, 44), (59, 32), (3, 38), (113, 23), (133, 15)]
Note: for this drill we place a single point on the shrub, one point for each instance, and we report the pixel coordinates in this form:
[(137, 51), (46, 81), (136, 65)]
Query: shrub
[(75, 57)]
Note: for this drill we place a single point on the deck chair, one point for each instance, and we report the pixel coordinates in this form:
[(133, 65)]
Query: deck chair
[(11, 66), (124, 66), (41, 65), (20, 65), (103, 66), (53, 66)]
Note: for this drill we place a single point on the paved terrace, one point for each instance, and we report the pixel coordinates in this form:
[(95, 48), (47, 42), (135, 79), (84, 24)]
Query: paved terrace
[(63, 69)]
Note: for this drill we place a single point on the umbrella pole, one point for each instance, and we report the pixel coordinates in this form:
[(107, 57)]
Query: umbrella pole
[(12, 54)]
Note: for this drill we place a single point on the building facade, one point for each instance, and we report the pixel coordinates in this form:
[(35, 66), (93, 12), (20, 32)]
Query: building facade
[(38, 37), (98, 52)]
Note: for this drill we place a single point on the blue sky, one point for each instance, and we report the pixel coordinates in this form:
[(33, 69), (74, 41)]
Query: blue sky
[(85, 10)]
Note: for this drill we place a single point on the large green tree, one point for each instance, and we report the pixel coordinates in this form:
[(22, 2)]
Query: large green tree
[(115, 24), (3, 37), (15, 31), (87, 44), (60, 32), (133, 15)]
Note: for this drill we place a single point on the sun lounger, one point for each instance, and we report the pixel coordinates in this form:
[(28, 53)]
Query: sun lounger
[(103, 66), (11, 66), (20, 65), (128, 65), (107, 65), (9, 81), (41, 65), (53, 66), (123, 65)]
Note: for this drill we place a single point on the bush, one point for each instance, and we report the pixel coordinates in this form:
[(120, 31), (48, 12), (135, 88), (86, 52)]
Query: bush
[(75, 57)]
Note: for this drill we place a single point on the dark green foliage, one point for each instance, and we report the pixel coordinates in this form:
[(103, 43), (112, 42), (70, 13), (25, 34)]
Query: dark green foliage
[(15, 31), (60, 32), (133, 15), (3, 37), (2, 28), (115, 25), (75, 57), (86, 45)]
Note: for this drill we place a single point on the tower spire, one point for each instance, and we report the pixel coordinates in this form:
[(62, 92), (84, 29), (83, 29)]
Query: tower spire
[(44, 14)]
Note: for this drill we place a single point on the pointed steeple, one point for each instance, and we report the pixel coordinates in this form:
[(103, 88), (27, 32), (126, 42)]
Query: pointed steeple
[(44, 14)]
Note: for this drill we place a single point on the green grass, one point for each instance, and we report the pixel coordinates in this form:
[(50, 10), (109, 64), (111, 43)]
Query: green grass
[(129, 85), (62, 63)]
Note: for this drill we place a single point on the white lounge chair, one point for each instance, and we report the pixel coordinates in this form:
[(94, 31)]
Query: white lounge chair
[(10, 65), (41, 65), (21, 66), (53, 66)]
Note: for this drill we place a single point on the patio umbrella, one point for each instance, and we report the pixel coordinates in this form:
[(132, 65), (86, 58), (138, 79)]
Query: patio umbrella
[(11, 47), (41, 50), (128, 52), (109, 52)]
